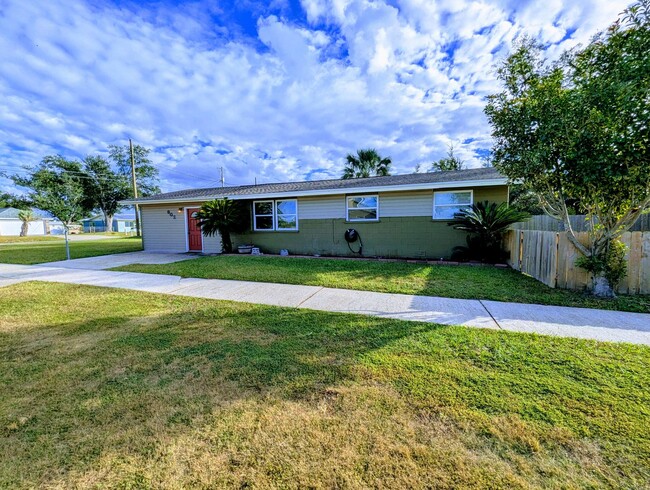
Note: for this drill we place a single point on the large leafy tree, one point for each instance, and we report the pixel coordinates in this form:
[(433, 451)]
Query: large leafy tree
[(448, 163), (366, 163), (524, 199), (8, 200), (579, 130), (146, 174), (223, 216), (104, 188), (56, 185)]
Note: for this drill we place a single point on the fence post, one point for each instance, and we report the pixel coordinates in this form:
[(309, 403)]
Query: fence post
[(521, 250), (557, 258)]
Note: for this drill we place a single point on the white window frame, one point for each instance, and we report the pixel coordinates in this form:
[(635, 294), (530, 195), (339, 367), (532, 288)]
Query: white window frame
[(455, 191), (274, 215), (360, 220), (275, 212)]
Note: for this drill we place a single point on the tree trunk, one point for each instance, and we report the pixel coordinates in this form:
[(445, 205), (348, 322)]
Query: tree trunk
[(24, 228), (226, 242), (108, 222), (67, 245), (602, 287)]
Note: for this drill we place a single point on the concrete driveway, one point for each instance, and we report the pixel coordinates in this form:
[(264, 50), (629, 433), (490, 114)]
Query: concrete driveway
[(116, 260)]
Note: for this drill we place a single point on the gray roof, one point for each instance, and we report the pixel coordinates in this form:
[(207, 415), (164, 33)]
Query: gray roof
[(12, 213), (334, 185)]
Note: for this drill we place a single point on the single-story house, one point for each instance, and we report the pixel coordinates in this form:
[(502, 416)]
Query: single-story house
[(122, 223), (395, 216), (10, 223)]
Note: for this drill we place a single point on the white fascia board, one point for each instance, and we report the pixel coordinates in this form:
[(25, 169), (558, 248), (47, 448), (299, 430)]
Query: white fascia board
[(331, 192)]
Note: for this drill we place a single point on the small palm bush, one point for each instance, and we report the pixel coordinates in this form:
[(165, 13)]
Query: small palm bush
[(485, 223), (26, 216), (223, 216)]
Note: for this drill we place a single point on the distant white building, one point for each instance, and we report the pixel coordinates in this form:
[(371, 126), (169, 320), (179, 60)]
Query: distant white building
[(10, 223)]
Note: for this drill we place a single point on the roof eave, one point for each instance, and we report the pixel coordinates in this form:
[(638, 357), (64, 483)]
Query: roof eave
[(326, 192)]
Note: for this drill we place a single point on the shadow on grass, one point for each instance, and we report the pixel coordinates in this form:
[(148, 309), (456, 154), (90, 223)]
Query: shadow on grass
[(109, 379), (77, 389)]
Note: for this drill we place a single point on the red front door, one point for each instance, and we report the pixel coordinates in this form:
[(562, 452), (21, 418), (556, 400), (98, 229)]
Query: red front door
[(194, 236)]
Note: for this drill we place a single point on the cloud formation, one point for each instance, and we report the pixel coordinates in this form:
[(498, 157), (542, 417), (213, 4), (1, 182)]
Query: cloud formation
[(271, 92)]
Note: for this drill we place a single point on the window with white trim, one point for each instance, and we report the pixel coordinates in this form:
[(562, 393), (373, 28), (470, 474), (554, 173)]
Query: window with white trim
[(447, 203), (362, 208), (263, 215), (286, 215), (278, 215)]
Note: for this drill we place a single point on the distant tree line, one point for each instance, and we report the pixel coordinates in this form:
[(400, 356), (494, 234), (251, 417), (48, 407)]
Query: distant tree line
[(71, 190), (369, 163)]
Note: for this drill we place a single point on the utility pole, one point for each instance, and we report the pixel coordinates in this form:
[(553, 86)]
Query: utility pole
[(135, 189), (223, 181)]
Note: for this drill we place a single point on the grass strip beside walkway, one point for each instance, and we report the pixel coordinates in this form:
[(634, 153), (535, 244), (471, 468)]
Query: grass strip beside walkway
[(29, 239), (468, 282)]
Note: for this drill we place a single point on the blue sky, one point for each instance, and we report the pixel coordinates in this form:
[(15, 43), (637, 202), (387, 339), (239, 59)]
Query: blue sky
[(272, 91)]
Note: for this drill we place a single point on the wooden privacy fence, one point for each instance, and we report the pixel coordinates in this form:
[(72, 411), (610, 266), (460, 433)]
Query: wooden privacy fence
[(550, 257), (544, 222)]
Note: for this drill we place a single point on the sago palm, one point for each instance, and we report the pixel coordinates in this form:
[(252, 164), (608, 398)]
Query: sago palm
[(366, 163), (223, 216), (486, 224)]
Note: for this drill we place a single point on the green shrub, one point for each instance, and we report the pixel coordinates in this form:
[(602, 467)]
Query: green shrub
[(485, 223)]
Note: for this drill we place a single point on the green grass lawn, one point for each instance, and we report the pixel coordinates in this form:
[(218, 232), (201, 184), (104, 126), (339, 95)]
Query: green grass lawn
[(29, 239), (53, 250), (109, 233), (392, 277), (112, 388)]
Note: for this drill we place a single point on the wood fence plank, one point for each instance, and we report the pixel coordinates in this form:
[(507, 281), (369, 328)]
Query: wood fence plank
[(624, 285), (644, 266), (550, 257)]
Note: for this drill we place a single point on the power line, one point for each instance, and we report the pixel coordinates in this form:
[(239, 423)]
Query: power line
[(191, 175), (80, 174)]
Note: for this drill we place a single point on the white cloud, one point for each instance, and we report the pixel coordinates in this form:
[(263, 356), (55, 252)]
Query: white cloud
[(284, 106)]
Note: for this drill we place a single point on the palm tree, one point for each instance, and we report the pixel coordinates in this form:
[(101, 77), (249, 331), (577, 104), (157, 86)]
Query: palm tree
[(26, 216), (366, 163), (486, 224), (223, 216)]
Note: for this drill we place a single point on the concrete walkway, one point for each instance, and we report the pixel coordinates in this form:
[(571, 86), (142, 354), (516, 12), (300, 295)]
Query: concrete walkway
[(116, 260), (550, 320)]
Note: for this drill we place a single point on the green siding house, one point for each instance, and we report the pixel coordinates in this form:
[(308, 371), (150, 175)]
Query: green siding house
[(395, 216)]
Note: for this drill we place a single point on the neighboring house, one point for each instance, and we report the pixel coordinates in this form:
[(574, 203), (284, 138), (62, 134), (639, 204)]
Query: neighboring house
[(122, 223), (396, 216), (10, 223)]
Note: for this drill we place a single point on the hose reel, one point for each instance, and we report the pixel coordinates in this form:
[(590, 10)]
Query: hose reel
[(352, 236)]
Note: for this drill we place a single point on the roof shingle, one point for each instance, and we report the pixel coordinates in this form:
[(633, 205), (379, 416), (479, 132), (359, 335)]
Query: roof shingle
[(334, 184)]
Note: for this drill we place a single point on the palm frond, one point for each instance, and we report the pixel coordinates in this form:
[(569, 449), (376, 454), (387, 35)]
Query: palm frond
[(486, 224), (366, 163)]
